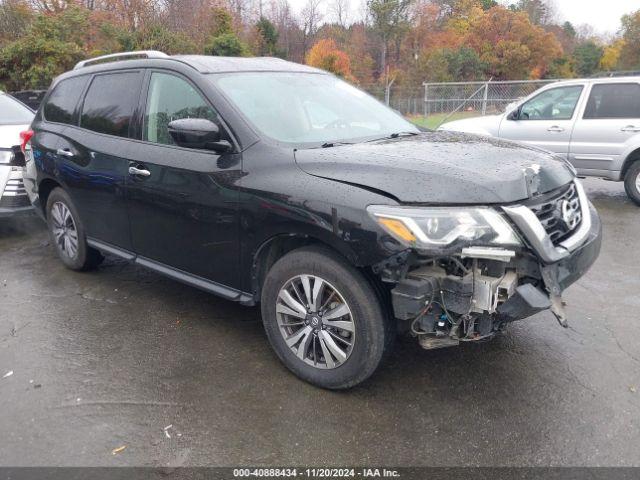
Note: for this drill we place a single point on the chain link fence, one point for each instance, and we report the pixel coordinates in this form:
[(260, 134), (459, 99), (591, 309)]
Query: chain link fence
[(435, 101), (480, 97)]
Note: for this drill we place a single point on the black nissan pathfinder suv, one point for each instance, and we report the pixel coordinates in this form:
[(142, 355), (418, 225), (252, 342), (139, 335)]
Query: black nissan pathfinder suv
[(269, 182)]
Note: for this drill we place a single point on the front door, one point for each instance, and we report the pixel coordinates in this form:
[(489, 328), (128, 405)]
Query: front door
[(611, 118), (182, 204), (546, 120)]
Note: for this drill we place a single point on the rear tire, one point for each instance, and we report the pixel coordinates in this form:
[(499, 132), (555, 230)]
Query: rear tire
[(632, 182), (350, 322), (67, 233)]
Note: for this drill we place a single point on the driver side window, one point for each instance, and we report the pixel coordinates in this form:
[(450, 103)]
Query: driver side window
[(171, 98), (554, 104)]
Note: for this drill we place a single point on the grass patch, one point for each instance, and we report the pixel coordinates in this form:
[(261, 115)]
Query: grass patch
[(434, 120)]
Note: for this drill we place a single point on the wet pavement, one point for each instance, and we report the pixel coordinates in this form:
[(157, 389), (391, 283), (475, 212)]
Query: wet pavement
[(110, 358)]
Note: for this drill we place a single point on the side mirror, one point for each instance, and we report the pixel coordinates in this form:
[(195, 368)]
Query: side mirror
[(197, 133), (514, 115)]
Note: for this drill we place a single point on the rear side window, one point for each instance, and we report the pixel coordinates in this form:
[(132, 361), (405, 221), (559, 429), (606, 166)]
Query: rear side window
[(62, 102), (109, 103), (614, 100)]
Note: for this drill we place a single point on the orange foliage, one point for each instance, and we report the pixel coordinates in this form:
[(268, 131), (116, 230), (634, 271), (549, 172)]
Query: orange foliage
[(326, 55), (511, 45)]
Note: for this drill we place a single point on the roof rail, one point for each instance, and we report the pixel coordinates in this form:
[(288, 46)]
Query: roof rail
[(121, 56)]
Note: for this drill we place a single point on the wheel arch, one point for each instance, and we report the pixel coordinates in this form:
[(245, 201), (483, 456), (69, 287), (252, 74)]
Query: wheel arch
[(45, 188), (630, 159), (277, 246)]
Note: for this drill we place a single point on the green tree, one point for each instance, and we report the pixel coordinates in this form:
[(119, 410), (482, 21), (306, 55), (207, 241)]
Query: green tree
[(159, 37), (464, 64), (587, 57), (227, 45), (222, 22), (51, 45), (267, 38), (390, 22)]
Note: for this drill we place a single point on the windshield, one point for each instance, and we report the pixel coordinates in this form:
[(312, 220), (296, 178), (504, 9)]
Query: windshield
[(13, 112), (304, 108)]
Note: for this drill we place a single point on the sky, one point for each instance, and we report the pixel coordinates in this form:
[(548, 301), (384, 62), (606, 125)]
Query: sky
[(602, 15)]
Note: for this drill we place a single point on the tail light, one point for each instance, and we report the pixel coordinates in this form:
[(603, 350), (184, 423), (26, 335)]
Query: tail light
[(25, 137)]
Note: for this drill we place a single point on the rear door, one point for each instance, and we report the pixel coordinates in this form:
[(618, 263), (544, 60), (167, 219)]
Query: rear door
[(611, 119), (94, 155), (545, 120), (184, 210)]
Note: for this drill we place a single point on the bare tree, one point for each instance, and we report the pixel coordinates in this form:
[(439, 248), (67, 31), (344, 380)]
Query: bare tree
[(311, 18), (340, 11)]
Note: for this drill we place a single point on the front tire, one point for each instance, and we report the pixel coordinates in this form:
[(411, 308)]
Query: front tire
[(67, 233), (632, 182), (323, 318)]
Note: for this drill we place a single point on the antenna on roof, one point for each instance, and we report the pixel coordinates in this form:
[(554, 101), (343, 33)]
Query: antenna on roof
[(114, 57)]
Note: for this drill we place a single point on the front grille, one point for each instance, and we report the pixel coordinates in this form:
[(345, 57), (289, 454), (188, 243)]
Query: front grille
[(561, 215)]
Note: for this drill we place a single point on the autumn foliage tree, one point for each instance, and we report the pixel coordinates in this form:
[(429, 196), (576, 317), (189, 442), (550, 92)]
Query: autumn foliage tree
[(326, 55)]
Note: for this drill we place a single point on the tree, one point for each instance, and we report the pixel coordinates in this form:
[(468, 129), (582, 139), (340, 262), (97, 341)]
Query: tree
[(587, 57), (464, 64), (511, 46), (611, 56), (15, 18), (266, 38), (51, 45), (311, 17), (326, 55), (227, 45), (340, 11), (159, 37), (630, 51), (390, 22)]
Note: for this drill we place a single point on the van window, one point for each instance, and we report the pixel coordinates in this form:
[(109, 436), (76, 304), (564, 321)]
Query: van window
[(171, 98), (62, 102), (614, 100), (109, 103)]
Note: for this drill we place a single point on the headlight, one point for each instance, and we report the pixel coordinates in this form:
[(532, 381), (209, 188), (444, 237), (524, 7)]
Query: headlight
[(6, 157), (445, 228)]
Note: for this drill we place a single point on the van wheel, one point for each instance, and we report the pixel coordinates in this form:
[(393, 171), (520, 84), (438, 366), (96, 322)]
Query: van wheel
[(323, 318), (632, 182), (67, 233)]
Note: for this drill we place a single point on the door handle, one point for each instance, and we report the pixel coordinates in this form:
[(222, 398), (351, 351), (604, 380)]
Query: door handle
[(630, 128), (139, 171), (555, 128), (65, 152)]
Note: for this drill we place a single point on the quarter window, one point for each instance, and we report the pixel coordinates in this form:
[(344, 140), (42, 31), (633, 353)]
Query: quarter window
[(171, 98), (62, 102), (109, 103), (615, 100), (553, 104)]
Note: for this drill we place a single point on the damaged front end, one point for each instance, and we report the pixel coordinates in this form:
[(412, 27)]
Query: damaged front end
[(470, 272)]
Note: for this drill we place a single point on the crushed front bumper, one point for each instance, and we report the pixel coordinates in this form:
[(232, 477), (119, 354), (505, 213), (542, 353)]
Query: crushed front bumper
[(444, 305)]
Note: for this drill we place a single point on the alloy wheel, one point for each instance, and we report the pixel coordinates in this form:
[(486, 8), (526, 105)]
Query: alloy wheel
[(315, 321), (64, 229), (638, 183)]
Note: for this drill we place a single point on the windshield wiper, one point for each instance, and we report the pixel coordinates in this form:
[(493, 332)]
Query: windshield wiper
[(394, 135), (333, 144)]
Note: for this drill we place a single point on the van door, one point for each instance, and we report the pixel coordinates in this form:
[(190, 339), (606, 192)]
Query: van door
[(182, 202), (96, 153), (611, 119), (546, 120)]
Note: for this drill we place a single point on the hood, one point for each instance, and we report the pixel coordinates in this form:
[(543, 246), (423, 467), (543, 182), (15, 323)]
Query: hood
[(484, 125), (441, 168), (10, 135)]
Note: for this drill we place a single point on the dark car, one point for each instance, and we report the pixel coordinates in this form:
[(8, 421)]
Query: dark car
[(269, 182)]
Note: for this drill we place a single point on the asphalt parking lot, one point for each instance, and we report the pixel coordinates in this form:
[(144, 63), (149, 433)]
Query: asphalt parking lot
[(111, 358)]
